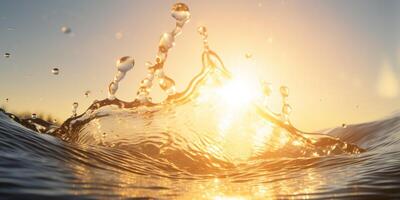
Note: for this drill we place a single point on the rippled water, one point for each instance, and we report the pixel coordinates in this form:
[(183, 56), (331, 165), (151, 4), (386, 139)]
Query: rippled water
[(43, 166)]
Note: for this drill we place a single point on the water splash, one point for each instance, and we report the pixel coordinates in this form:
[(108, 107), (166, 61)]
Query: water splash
[(219, 120), (124, 64)]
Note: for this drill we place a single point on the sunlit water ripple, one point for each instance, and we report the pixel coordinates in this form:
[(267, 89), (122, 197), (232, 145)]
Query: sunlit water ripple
[(43, 166)]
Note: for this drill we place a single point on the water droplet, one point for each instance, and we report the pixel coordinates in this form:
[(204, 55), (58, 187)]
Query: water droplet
[(55, 71), (166, 42), (142, 94), (284, 91), (286, 109), (112, 89), (145, 83), (125, 64), (87, 93), (159, 73), (74, 108), (166, 84), (7, 55), (180, 12), (248, 55), (66, 30), (150, 75), (202, 31), (161, 56), (33, 116), (344, 125), (119, 76)]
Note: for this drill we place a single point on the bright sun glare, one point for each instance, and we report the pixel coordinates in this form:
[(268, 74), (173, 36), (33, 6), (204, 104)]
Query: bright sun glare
[(240, 91)]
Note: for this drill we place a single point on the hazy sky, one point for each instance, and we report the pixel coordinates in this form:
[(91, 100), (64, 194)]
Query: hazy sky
[(340, 59)]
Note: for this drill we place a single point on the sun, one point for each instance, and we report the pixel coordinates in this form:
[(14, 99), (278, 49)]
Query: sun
[(240, 91)]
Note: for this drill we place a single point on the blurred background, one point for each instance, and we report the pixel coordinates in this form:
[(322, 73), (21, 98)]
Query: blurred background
[(339, 58)]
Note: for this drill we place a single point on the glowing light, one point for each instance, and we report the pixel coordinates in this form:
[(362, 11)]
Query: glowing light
[(240, 92)]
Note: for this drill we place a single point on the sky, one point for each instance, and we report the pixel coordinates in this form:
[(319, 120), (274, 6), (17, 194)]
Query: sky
[(340, 59)]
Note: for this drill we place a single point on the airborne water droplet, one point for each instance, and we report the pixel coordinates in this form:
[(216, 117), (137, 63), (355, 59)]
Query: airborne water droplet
[(125, 64), (202, 30), (248, 55), (55, 71), (87, 92), (66, 30), (166, 42), (74, 108), (286, 109), (112, 89), (284, 91), (180, 12), (33, 116)]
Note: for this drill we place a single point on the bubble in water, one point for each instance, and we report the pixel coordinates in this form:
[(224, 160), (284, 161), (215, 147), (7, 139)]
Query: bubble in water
[(7, 55), (66, 30), (125, 64), (284, 91), (180, 12), (55, 71), (166, 42), (33, 116), (248, 55)]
